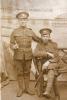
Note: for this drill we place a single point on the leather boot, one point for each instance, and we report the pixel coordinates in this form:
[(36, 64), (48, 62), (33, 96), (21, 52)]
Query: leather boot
[(20, 86), (49, 84), (27, 89)]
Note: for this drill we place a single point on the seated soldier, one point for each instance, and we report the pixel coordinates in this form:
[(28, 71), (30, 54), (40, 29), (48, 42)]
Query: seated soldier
[(47, 52)]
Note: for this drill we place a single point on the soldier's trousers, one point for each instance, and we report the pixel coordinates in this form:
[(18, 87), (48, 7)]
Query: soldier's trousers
[(51, 76), (52, 83), (23, 72)]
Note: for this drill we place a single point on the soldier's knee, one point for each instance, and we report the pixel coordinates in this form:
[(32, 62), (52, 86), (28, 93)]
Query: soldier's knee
[(27, 74), (51, 74)]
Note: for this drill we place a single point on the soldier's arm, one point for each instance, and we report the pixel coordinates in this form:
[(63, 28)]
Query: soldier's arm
[(36, 38), (13, 44), (39, 53), (56, 49), (55, 53)]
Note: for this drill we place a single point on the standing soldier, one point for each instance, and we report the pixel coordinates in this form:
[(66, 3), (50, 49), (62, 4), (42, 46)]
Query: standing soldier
[(20, 42), (47, 52)]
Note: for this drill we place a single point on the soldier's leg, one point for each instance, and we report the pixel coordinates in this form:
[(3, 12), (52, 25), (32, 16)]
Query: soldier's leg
[(55, 88), (27, 76), (19, 72), (51, 76)]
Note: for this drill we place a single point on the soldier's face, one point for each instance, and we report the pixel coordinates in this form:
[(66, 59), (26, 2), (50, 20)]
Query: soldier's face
[(23, 22), (45, 36)]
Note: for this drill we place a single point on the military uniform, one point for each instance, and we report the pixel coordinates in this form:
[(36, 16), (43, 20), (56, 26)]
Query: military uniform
[(51, 47), (41, 52), (23, 37)]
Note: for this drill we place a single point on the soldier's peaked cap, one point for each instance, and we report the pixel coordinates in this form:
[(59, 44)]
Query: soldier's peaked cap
[(23, 15), (47, 29)]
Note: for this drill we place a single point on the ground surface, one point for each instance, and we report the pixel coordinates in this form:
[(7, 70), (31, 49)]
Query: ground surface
[(9, 92)]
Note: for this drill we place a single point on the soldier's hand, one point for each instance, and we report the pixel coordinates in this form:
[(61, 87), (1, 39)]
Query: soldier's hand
[(45, 65), (45, 69), (15, 46), (50, 54)]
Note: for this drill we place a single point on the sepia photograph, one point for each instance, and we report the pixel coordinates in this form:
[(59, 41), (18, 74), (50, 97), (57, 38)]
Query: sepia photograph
[(33, 49)]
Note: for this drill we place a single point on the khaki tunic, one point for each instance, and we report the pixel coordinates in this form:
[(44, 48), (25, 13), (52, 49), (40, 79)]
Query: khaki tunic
[(51, 47), (23, 55), (23, 37)]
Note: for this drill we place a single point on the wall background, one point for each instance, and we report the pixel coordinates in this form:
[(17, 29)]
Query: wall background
[(50, 13)]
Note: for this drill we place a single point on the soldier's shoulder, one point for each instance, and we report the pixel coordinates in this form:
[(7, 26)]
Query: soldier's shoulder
[(31, 31), (16, 29), (53, 42)]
